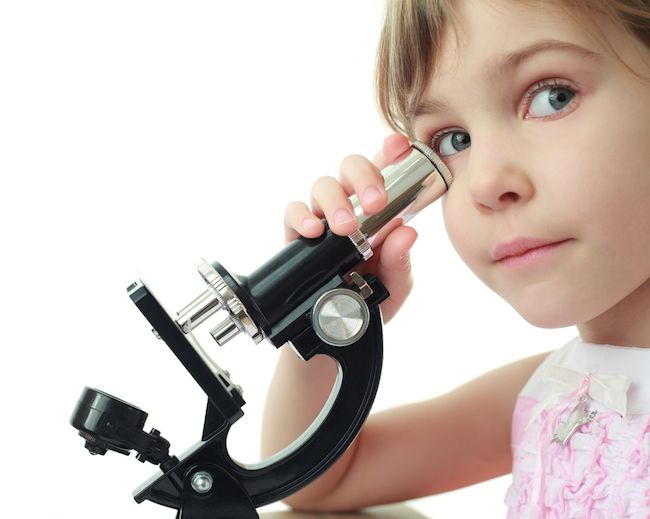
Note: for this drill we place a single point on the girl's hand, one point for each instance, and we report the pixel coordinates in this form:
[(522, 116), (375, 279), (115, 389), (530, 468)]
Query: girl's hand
[(329, 198)]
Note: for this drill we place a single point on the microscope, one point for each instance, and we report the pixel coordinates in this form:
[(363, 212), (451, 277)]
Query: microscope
[(308, 297)]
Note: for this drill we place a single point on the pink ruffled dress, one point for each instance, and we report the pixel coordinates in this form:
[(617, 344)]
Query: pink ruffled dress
[(581, 436)]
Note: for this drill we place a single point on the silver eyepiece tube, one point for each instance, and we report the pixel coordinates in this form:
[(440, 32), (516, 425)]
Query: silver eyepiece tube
[(411, 184)]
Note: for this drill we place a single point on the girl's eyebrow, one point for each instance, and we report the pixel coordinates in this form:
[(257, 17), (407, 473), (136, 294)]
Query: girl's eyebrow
[(505, 65)]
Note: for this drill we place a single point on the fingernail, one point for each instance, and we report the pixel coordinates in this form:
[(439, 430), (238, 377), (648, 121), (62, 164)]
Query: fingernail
[(370, 194), (342, 216), (309, 224)]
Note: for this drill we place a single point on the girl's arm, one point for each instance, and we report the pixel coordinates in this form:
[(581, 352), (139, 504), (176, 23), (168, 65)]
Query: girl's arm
[(451, 441), (448, 442)]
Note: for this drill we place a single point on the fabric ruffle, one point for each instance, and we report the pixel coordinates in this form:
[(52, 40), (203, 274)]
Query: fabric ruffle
[(602, 472)]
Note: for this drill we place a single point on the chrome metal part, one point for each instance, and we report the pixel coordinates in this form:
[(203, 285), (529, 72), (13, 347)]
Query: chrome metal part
[(340, 317), (230, 302), (214, 281), (202, 482), (203, 307), (411, 184), (364, 288), (217, 297), (361, 243), (225, 331)]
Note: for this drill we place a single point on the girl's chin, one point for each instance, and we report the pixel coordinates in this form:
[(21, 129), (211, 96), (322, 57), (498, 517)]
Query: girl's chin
[(541, 317)]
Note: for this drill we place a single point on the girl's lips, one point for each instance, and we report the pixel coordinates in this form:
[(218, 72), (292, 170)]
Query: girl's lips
[(524, 251)]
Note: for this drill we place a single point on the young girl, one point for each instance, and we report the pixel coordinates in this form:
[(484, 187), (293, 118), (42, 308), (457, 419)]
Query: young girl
[(541, 110)]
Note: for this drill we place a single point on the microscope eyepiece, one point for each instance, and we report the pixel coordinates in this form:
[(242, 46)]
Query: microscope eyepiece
[(411, 184)]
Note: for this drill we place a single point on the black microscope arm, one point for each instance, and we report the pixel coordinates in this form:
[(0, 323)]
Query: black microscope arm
[(359, 373)]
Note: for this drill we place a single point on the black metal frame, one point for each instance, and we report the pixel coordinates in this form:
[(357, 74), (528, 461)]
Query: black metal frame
[(239, 490), (279, 296)]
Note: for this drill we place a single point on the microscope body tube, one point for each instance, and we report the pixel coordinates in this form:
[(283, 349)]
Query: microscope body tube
[(299, 270)]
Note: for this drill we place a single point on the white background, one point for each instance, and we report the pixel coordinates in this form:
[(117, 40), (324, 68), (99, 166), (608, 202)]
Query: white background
[(137, 137)]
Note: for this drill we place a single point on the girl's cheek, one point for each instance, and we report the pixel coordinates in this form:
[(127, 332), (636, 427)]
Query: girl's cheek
[(455, 219), (456, 200), (460, 223)]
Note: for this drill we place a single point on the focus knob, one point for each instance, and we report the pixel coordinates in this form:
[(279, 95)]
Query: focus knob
[(340, 317)]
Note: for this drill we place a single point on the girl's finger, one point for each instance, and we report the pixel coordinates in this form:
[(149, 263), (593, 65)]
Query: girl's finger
[(360, 176), (395, 145), (300, 221), (394, 267), (330, 197)]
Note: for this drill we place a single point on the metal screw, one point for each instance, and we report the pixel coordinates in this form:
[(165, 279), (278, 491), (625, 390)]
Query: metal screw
[(202, 482)]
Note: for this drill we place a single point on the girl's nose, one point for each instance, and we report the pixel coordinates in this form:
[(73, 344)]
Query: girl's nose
[(498, 177)]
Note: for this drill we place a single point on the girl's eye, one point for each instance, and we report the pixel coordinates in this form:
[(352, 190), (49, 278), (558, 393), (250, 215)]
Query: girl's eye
[(448, 142), (548, 100)]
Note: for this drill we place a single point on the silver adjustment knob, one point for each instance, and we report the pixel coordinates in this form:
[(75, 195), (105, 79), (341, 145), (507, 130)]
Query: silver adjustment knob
[(225, 331), (340, 317)]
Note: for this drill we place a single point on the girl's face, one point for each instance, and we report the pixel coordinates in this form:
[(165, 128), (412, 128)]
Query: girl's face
[(548, 138)]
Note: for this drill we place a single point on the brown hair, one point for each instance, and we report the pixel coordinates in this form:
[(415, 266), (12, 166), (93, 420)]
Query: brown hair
[(413, 30)]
